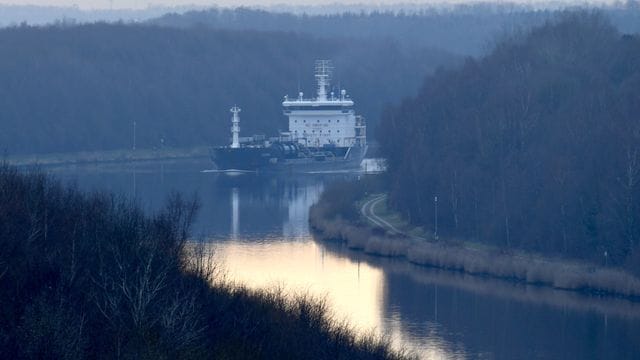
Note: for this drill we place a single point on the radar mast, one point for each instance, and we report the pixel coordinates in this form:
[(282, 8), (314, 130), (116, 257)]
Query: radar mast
[(324, 69)]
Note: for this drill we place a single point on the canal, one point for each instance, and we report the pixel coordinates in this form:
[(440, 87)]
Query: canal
[(257, 227)]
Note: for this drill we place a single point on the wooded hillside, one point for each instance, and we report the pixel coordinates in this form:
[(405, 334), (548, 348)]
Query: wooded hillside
[(468, 29), (535, 146)]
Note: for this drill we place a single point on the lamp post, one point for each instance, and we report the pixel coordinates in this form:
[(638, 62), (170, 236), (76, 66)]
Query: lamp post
[(134, 135), (435, 204)]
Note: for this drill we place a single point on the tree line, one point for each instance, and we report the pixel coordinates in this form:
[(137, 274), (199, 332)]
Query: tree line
[(466, 29), (535, 146)]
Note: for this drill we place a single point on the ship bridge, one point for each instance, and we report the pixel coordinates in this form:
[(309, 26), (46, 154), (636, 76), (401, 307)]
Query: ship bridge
[(328, 119)]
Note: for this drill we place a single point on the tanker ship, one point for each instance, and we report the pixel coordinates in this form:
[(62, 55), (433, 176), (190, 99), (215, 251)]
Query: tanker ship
[(324, 134)]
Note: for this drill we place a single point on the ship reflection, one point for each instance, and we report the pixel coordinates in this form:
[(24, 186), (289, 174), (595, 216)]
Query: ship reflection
[(297, 223), (235, 213), (260, 205)]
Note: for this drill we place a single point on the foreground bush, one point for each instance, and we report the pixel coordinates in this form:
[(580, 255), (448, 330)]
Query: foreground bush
[(92, 276)]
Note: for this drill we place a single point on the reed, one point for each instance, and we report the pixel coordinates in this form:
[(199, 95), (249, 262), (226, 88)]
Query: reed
[(528, 268)]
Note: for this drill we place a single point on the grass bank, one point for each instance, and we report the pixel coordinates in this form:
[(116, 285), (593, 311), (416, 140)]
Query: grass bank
[(107, 156), (90, 275), (336, 217)]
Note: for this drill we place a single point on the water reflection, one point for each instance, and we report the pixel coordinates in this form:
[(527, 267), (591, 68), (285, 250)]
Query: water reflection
[(353, 290), (297, 222), (481, 316), (235, 213), (259, 228)]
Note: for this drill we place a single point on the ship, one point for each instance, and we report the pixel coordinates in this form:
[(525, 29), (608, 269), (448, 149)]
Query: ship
[(324, 134)]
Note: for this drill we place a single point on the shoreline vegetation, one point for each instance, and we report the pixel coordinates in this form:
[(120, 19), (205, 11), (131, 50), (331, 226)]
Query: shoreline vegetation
[(107, 156), (336, 217), (91, 275)]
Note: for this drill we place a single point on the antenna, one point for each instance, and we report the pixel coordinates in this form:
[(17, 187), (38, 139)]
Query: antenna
[(299, 89), (323, 77)]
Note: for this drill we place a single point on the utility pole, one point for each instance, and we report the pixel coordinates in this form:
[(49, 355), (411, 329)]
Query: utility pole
[(435, 204), (134, 135)]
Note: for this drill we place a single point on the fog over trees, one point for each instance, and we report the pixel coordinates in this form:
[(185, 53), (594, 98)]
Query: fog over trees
[(467, 29), (535, 146), (70, 88)]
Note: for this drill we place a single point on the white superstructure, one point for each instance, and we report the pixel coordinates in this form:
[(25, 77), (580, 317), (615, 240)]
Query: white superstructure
[(327, 120), (235, 127)]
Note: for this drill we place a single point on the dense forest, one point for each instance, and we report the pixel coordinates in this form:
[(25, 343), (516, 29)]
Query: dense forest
[(468, 29), (535, 146), (90, 275), (69, 88)]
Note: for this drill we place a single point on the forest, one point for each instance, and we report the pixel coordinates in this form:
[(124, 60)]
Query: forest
[(81, 87), (465, 29), (535, 146)]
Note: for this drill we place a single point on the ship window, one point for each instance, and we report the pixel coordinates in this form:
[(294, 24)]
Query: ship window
[(338, 130), (313, 131), (329, 130), (295, 121), (304, 120), (317, 120), (338, 120), (329, 120)]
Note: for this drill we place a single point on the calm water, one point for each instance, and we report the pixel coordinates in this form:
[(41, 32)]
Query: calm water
[(258, 227)]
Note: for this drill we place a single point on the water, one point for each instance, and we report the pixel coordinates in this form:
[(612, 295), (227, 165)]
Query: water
[(258, 227)]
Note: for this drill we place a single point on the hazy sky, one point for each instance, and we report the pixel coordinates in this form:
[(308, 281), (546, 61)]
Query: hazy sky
[(105, 4)]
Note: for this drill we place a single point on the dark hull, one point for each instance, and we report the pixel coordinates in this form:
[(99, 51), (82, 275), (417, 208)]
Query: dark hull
[(268, 159), (240, 159)]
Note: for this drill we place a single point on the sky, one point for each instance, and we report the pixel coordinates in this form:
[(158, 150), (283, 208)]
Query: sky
[(138, 4)]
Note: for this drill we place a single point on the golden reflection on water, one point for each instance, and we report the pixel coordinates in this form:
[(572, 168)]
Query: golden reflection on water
[(353, 290)]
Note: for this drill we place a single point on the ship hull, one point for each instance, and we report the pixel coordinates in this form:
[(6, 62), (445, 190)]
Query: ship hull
[(268, 160)]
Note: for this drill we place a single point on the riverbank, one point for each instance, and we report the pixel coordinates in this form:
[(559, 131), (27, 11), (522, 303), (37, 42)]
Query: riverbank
[(394, 240), (107, 156)]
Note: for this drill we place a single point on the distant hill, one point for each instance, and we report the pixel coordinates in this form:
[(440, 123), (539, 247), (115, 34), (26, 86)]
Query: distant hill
[(463, 29), (68, 88), (535, 146), (11, 15)]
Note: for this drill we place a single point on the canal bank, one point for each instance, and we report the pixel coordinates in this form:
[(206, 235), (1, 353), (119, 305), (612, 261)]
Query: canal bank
[(258, 227), (107, 156), (378, 231)]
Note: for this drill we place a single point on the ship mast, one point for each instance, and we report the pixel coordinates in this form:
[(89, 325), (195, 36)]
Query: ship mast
[(235, 127), (323, 77)]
